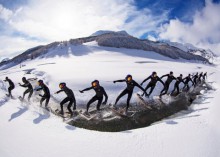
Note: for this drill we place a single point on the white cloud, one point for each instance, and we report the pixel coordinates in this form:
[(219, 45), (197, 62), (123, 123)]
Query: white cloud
[(152, 38), (10, 46), (5, 13), (204, 32), (61, 20), (51, 20)]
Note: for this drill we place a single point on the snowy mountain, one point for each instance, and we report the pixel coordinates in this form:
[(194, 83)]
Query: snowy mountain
[(105, 39), (208, 54)]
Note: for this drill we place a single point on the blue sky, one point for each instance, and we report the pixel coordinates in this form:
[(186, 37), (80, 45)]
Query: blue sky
[(28, 23)]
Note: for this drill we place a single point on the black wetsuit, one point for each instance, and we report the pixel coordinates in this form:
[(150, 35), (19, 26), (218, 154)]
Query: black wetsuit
[(195, 77), (176, 85), (46, 95), (70, 98), (100, 91), (129, 90), (170, 78), (152, 83), (205, 76), (187, 80), (11, 86), (200, 78), (28, 85)]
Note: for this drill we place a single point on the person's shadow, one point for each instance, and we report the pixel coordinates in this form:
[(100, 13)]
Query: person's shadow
[(3, 101), (40, 118), (21, 111)]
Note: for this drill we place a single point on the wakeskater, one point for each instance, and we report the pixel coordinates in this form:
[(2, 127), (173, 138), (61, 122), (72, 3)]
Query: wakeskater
[(70, 98), (170, 78), (46, 95), (11, 86), (153, 81), (129, 90), (100, 92), (29, 89)]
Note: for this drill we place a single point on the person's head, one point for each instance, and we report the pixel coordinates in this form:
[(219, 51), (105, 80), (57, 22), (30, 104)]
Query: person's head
[(62, 85), (189, 75), (154, 74), (6, 78), (128, 78), (40, 82), (201, 73), (24, 79), (181, 75), (95, 83), (171, 73)]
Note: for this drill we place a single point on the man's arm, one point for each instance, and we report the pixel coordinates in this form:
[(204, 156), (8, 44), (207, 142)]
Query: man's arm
[(139, 86), (145, 80), (23, 85), (191, 81), (86, 89), (38, 89), (119, 81), (161, 81), (59, 91), (185, 78), (164, 76)]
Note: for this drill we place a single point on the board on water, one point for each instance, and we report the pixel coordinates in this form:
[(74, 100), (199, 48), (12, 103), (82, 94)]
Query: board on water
[(142, 101), (64, 117), (92, 114), (87, 115), (122, 114)]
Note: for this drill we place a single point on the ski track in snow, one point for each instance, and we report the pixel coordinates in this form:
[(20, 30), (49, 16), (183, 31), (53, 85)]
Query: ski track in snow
[(25, 130)]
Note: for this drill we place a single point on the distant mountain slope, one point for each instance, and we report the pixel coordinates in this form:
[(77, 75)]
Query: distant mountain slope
[(108, 39), (206, 53)]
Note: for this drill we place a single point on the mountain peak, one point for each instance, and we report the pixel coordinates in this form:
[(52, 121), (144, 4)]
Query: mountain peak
[(101, 32)]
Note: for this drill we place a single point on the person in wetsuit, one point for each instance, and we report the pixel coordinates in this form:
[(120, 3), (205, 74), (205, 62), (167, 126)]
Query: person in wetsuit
[(11, 86), (186, 80), (29, 87), (153, 81), (205, 76), (176, 85), (200, 77), (100, 92), (70, 98), (195, 78), (170, 78), (129, 89), (46, 95)]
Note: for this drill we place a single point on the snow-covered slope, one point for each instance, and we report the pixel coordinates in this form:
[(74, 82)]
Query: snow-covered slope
[(28, 131), (104, 40), (208, 54)]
